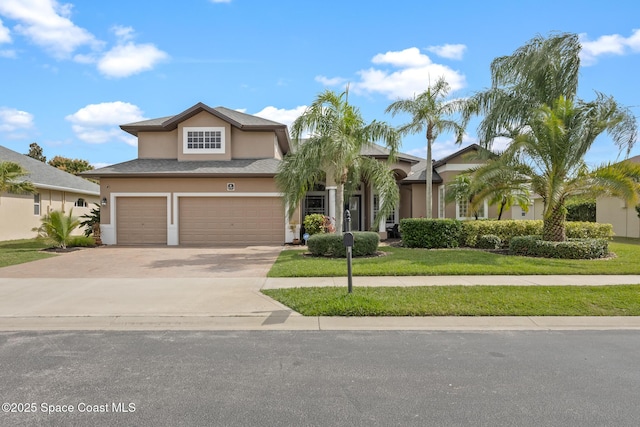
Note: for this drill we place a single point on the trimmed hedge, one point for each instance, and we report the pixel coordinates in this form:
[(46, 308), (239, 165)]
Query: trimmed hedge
[(508, 229), (489, 241), (582, 211), (534, 246), (430, 233), (330, 244)]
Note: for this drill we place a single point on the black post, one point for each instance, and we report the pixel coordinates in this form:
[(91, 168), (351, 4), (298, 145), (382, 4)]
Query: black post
[(348, 242)]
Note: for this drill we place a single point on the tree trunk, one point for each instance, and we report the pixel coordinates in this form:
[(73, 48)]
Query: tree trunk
[(553, 226), (429, 192), (501, 209)]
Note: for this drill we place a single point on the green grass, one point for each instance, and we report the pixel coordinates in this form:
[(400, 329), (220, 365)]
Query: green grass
[(20, 251), (424, 262), (620, 300)]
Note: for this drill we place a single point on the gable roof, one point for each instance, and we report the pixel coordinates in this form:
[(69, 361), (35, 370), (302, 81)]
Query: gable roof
[(47, 177), (235, 118), (419, 171)]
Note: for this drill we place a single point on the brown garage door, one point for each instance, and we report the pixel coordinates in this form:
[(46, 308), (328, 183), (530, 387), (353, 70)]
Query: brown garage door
[(141, 220), (231, 220)]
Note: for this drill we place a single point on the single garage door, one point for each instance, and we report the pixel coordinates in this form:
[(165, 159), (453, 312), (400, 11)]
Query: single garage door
[(141, 220), (231, 220)]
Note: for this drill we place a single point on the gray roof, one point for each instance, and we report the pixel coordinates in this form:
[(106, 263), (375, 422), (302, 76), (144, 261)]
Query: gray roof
[(419, 174), (376, 150), (45, 176), (191, 168)]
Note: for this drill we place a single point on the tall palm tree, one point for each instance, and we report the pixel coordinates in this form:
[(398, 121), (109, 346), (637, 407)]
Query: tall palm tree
[(536, 74), (430, 113), (11, 181), (550, 153), (338, 133), (505, 188)]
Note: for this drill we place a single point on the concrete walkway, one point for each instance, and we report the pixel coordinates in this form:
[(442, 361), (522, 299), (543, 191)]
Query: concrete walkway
[(236, 303)]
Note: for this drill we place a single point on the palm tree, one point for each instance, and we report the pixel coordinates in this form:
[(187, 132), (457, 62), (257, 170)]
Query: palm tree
[(550, 156), (461, 189), (430, 113), (504, 188), (536, 74), (58, 227), (338, 133), (532, 101), (10, 179)]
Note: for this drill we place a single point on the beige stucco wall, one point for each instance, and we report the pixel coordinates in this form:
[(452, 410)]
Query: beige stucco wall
[(252, 145), (158, 145), (239, 144), (18, 218), (623, 217)]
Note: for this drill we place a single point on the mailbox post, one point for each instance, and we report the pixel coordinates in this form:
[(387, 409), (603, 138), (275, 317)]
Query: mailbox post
[(347, 240)]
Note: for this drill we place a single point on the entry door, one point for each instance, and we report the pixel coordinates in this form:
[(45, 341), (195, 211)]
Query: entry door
[(354, 206)]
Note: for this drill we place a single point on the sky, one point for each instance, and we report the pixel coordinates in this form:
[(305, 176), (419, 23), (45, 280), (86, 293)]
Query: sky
[(73, 72)]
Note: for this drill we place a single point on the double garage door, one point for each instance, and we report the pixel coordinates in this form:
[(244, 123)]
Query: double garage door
[(202, 220)]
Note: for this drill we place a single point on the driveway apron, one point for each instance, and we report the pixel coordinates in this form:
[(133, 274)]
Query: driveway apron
[(141, 281)]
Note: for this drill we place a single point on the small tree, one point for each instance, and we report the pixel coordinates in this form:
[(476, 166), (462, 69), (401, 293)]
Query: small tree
[(58, 227), (35, 152), (73, 166), (91, 221)]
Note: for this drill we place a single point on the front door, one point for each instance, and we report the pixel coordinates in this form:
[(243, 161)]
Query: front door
[(354, 206)]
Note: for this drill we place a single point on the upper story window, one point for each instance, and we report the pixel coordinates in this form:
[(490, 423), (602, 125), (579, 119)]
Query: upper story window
[(203, 140)]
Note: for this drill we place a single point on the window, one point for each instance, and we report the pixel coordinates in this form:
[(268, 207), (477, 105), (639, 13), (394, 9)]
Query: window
[(441, 203), (80, 203), (463, 210), (314, 204), (204, 140), (391, 219), (36, 204)]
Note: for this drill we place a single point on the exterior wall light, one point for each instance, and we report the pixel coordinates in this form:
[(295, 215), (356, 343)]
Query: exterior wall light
[(104, 201)]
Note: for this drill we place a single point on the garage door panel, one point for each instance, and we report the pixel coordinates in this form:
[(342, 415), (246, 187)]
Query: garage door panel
[(231, 220), (141, 220)]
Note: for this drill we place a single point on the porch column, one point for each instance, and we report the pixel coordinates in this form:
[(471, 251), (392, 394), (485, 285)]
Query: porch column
[(332, 204)]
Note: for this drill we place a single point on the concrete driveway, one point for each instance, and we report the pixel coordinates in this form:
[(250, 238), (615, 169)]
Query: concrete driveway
[(151, 262), (102, 287)]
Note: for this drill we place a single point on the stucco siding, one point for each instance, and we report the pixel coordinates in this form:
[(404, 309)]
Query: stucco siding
[(624, 218), (158, 145), (252, 145)]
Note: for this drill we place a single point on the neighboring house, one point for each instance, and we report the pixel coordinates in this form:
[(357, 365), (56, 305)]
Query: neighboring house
[(56, 190), (620, 214)]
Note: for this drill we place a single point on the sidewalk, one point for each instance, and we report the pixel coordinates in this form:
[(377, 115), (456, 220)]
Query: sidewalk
[(237, 304)]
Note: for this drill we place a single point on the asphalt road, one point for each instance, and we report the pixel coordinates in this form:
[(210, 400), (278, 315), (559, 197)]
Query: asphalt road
[(573, 378)]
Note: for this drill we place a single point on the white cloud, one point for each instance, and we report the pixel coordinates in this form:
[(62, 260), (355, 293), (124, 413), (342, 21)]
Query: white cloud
[(12, 120), (612, 44), (335, 81), (46, 23), (128, 59), (9, 53), (442, 149), (5, 34), (450, 51), (281, 115), (408, 73), (98, 123)]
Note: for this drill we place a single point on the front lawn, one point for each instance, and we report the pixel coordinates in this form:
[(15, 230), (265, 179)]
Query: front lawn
[(621, 300), (434, 262), (20, 251)]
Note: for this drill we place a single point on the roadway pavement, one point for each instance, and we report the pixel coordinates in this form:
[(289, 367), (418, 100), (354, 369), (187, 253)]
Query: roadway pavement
[(187, 288)]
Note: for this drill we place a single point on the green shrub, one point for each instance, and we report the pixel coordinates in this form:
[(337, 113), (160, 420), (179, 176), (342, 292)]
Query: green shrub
[(81, 242), (430, 233), (365, 243), (588, 230), (488, 241), (314, 224), (584, 211), (508, 229), (534, 246)]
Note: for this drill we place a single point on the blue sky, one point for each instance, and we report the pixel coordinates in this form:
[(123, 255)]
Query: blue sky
[(72, 72)]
